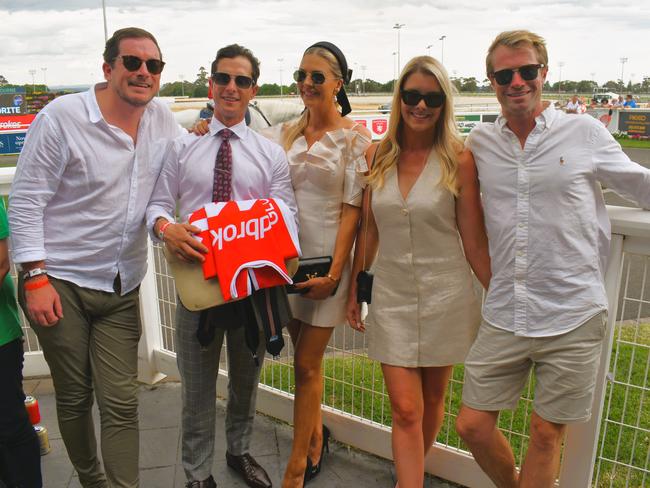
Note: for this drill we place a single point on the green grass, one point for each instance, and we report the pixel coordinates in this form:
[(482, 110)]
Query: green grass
[(634, 143), (359, 390)]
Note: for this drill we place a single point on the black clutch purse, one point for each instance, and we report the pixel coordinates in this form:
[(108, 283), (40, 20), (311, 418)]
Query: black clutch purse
[(309, 268)]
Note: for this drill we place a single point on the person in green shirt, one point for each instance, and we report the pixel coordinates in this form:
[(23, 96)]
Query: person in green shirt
[(20, 465)]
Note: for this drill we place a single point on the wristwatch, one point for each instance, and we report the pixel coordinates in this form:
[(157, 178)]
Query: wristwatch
[(32, 273)]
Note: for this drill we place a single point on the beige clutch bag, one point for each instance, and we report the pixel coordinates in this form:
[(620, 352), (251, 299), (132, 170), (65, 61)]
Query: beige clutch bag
[(197, 293)]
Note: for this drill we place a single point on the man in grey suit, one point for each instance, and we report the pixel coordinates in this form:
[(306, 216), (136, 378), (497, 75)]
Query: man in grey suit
[(230, 163)]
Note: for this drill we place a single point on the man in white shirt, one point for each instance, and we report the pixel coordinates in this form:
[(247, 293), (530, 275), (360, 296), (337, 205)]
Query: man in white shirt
[(231, 162), (77, 208), (573, 105), (540, 172)]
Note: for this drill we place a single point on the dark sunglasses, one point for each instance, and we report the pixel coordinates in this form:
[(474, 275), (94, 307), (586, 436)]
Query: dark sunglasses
[(528, 72), (431, 99), (133, 63), (317, 77), (222, 79)]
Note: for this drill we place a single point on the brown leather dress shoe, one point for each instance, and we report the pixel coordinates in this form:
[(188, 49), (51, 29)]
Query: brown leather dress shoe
[(207, 483), (252, 473)]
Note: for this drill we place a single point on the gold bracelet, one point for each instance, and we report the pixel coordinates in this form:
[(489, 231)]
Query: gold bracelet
[(332, 278)]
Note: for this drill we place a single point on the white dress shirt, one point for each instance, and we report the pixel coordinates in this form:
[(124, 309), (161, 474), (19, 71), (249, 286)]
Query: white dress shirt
[(81, 189), (546, 220), (259, 170)]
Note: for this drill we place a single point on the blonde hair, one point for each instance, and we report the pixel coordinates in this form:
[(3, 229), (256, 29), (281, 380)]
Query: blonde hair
[(296, 129), (446, 140), (515, 39)]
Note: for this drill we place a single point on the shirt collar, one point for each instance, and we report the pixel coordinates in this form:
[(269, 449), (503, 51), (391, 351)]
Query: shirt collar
[(94, 113), (544, 120), (240, 129)]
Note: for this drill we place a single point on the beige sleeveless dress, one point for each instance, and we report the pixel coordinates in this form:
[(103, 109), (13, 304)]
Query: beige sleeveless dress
[(424, 310)]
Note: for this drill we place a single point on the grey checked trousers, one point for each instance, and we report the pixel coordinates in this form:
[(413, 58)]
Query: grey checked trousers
[(198, 368)]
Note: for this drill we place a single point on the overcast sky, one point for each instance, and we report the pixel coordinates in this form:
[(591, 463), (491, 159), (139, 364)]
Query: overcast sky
[(66, 37)]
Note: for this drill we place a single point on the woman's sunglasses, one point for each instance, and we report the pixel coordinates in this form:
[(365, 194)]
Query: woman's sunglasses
[(317, 77), (133, 63), (222, 79), (528, 72), (431, 99)]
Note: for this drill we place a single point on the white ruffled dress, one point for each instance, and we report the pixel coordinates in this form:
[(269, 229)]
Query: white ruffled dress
[(324, 176)]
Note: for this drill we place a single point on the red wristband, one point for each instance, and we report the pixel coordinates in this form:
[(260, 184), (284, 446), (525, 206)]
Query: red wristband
[(161, 232), (36, 284)]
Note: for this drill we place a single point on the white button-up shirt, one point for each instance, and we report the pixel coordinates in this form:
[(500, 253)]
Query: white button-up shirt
[(546, 220), (259, 170), (81, 189)]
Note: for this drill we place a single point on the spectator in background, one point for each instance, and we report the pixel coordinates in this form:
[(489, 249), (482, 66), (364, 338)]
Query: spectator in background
[(573, 105), (20, 464), (629, 102), (619, 102)]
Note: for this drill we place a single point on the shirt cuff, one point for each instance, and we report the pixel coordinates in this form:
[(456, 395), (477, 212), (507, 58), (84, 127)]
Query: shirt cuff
[(29, 255)]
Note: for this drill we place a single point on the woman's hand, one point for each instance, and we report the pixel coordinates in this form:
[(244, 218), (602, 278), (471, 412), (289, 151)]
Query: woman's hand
[(318, 288), (353, 314)]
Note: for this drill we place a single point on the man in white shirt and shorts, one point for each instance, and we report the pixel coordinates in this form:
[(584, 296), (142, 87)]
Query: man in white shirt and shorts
[(540, 172), (76, 211)]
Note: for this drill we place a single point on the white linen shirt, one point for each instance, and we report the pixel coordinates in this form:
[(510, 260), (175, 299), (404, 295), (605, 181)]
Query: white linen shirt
[(80, 192), (259, 170), (546, 220)]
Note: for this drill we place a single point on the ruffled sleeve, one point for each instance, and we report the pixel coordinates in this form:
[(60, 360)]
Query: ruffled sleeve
[(355, 167)]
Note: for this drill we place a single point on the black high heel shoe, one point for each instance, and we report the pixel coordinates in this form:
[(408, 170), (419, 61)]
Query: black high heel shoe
[(313, 470)]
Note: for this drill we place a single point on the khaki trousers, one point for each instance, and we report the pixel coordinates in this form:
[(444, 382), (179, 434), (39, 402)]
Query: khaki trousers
[(94, 348)]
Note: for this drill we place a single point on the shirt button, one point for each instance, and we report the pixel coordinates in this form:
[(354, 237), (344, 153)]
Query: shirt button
[(521, 225), (405, 211), (520, 253)]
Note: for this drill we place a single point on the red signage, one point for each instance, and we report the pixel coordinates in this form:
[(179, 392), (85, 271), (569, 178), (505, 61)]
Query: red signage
[(363, 122), (15, 122), (379, 126)]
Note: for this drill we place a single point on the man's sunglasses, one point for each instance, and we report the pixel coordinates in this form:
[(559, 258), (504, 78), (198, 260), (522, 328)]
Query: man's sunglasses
[(528, 72), (222, 79), (317, 77), (431, 99), (133, 63)]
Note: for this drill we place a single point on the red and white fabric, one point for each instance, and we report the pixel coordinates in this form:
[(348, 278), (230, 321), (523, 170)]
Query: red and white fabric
[(248, 244)]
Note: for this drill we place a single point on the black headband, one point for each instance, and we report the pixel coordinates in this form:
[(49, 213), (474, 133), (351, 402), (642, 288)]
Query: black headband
[(341, 96)]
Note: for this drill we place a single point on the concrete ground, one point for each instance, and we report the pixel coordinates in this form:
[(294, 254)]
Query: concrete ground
[(160, 465)]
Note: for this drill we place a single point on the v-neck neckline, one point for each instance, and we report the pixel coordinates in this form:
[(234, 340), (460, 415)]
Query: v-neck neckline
[(419, 177)]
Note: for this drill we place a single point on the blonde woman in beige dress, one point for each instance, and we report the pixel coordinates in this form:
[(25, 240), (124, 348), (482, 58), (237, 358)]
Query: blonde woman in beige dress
[(425, 224), (326, 154)]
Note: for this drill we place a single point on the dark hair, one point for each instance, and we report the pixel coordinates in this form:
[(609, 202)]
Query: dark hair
[(112, 49), (233, 51)]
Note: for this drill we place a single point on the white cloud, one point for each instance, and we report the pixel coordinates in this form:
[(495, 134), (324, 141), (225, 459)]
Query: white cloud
[(67, 38)]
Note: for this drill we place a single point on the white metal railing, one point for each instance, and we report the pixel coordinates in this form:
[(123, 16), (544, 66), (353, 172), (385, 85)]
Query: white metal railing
[(613, 446)]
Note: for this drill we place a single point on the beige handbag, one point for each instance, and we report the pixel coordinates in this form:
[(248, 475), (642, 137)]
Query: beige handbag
[(197, 293)]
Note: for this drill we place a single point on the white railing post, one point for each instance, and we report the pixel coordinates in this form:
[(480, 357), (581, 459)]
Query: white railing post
[(582, 438), (150, 341)]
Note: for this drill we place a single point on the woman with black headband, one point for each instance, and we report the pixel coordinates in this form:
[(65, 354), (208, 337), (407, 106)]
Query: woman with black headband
[(326, 153), (423, 218)]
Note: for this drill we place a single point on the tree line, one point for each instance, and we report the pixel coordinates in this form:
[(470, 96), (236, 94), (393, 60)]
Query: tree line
[(199, 87)]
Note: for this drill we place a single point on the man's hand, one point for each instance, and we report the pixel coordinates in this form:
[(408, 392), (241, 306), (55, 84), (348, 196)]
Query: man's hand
[(43, 305), (201, 127), (180, 241), (319, 288)]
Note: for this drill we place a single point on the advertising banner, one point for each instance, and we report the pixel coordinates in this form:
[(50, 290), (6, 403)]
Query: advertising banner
[(378, 124), (634, 122), (11, 143), (12, 104), (15, 122)]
